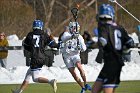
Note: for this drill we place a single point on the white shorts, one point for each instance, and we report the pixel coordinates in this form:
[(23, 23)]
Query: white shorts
[(34, 74), (71, 61)]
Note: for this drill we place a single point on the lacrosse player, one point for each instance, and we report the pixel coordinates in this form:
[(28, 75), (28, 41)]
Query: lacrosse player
[(35, 43), (73, 43), (113, 39)]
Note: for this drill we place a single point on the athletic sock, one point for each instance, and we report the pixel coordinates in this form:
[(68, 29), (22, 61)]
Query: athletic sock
[(21, 91)]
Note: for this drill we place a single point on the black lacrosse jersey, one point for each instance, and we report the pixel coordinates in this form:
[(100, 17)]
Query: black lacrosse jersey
[(116, 37), (35, 43)]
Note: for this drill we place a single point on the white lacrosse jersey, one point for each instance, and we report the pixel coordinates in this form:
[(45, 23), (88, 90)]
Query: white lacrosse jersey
[(72, 46)]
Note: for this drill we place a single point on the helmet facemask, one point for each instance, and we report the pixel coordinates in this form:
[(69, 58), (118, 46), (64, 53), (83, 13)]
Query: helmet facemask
[(74, 27)]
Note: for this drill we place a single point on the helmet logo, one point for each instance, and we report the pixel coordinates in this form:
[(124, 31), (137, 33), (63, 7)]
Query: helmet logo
[(38, 24), (106, 11)]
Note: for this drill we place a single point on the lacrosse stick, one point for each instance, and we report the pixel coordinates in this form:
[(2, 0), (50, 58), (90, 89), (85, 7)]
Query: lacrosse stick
[(115, 1), (75, 11)]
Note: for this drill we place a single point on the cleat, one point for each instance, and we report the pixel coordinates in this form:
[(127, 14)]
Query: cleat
[(87, 87), (14, 91), (54, 85), (83, 90)]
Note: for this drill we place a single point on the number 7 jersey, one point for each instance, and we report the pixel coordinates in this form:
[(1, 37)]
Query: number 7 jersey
[(35, 43)]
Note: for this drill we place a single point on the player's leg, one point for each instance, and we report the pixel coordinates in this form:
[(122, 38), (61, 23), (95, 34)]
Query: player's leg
[(37, 78), (97, 87), (24, 83), (82, 73), (1, 62), (36, 66), (22, 87), (112, 83), (70, 62), (4, 62), (114, 90), (77, 62), (77, 79), (108, 90)]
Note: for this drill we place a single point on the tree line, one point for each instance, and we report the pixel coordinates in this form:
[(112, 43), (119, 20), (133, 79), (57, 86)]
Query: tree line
[(16, 16)]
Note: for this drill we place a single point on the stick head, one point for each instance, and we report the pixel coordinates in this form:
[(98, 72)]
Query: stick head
[(112, 0), (74, 12)]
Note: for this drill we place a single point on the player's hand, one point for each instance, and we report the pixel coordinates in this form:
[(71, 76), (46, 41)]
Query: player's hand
[(126, 51), (78, 47)]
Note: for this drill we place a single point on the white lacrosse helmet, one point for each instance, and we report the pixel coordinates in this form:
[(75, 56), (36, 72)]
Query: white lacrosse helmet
[(72, 26)]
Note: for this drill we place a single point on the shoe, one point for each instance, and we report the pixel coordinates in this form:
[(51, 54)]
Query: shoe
[(83, 90), (87, 87), (54, 85), (14, 91)]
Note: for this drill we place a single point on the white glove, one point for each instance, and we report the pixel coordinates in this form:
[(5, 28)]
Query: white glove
[(75, 35), (103, 41), (126, 51), (79, 47)]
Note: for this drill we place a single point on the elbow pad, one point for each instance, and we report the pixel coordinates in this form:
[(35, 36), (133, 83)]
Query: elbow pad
[(53, 44), (103, 41)]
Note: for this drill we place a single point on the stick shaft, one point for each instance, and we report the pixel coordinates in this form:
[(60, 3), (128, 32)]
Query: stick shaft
[(126, 11)]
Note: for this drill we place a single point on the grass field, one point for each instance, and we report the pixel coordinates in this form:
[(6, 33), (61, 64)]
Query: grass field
[(125, 87)]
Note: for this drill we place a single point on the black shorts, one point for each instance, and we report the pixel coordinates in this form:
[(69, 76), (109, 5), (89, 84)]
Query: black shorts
[(110, 74), (36, 63)]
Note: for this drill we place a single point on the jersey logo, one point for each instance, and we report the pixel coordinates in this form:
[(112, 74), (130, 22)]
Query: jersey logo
[(36, 38), (117, 36)]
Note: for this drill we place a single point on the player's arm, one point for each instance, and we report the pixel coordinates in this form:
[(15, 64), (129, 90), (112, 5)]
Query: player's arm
[(26, 42), (82, 43), (66, 36), (129, 42), (51, 42)]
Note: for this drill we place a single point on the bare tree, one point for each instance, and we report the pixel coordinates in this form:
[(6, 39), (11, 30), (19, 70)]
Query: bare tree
[(49, 13), (70, 3)]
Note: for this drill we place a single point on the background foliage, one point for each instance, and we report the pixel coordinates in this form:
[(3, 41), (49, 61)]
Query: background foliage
[(16, 16)]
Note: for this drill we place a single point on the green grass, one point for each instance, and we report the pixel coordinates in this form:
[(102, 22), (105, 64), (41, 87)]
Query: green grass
[(125, 87)]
